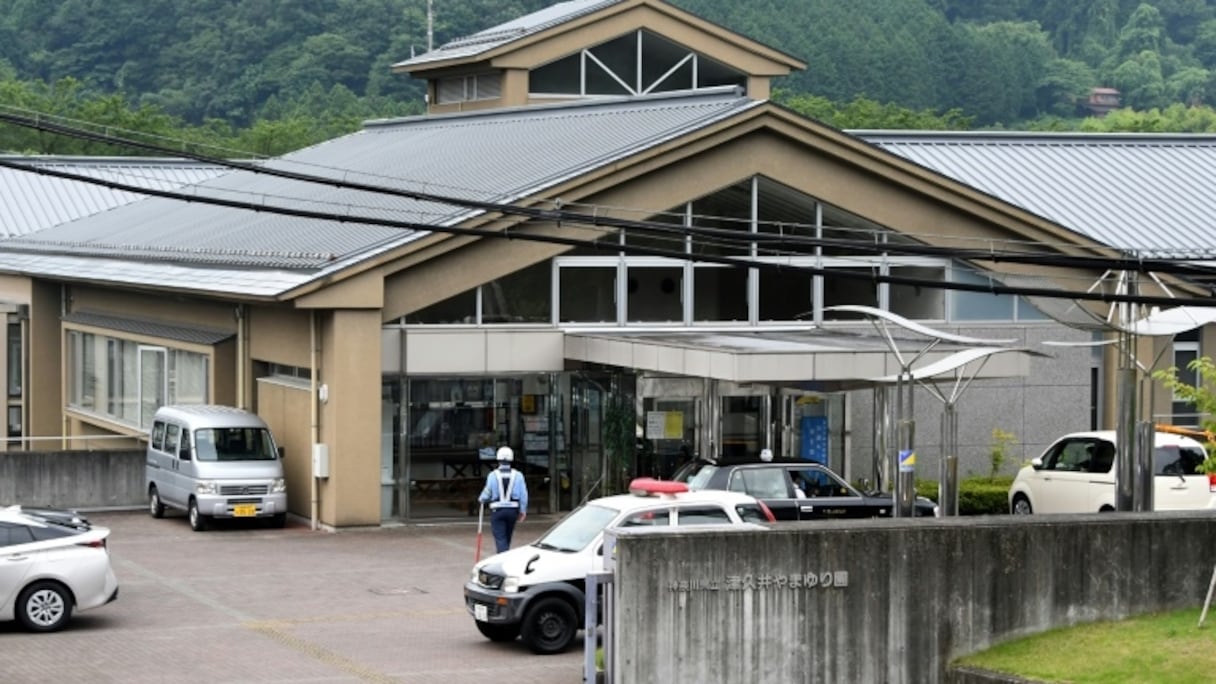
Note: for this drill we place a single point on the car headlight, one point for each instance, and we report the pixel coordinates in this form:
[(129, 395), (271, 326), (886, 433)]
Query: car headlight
[(510, 585), (206, 487), (278, 486)]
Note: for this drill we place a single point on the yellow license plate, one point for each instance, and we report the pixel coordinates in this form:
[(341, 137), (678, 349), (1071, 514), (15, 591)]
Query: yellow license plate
[(244, 510)]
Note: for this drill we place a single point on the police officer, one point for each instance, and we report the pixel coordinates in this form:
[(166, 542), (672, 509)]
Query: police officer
[(507, 494)]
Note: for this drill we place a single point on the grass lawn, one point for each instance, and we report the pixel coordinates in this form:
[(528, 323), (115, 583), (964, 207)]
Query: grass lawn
[(1162, 648)]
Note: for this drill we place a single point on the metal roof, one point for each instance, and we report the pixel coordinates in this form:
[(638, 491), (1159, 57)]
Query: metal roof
[(493, 155), (1149, 194), (30, 202), (496, 36)]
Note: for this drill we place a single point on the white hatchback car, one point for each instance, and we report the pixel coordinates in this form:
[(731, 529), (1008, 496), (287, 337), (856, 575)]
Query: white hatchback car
[(49, 569), (536, 591), (1076, 474)]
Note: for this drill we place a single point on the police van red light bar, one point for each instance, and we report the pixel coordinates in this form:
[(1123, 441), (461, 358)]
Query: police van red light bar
[(648, 486)]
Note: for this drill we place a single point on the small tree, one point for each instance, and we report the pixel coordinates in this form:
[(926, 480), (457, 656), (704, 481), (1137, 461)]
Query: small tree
[(1201, 396), (999, 451)]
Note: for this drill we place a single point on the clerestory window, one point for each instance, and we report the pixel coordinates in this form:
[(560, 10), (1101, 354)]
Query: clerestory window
[(636, 63)]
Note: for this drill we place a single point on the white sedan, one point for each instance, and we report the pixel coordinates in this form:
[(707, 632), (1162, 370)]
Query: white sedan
[(49, 569), (1076, 474)]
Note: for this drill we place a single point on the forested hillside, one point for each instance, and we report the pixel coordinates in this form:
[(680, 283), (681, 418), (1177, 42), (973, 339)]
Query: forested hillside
[(229, 64)]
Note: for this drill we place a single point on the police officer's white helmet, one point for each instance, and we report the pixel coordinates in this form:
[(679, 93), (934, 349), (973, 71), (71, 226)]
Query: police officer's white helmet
[(505, 454), (766, 455)]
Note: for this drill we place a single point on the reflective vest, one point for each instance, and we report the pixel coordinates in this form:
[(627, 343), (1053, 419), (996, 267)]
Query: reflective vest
[(504, 493)]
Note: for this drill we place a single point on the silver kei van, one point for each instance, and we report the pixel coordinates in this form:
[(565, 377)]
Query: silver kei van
[(214, 462)]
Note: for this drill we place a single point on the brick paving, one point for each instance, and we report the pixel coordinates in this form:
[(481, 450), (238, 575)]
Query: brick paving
[(249, 604)]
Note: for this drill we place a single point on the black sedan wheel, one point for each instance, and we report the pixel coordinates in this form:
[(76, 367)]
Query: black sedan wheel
[(550, 626), (44, 607), (495, 632)]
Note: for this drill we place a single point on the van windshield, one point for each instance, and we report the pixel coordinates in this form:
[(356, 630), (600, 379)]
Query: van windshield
[(234, 444)]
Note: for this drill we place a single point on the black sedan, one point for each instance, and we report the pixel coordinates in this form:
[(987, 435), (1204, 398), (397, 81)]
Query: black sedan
[(795, 490)]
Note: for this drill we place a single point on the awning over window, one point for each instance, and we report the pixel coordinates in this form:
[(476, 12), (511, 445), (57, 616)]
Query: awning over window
[(135, 326)]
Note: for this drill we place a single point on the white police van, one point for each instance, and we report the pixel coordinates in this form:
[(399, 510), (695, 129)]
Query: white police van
[(536, 592)]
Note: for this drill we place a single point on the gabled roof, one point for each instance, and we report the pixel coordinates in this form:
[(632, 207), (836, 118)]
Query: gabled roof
[(1150, 194), (505, 37), (497, 36), (498, 155), (30, 202)]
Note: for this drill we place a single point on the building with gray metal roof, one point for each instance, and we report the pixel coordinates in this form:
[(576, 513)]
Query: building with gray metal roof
[(707, 298)]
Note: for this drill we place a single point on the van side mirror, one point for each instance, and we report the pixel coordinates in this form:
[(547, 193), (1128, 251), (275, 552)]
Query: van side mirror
[(282, 453), (183, 452)]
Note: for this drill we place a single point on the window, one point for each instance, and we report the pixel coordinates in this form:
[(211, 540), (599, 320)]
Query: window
[(762, 483), (1071, 456), (172, 435), (751, 513), (653, 518), (702, 515), (126, 382), (1186, 350), (612, 68), (158, 436), (487, 86), (818, 483), (1178, 461), (15, 374)]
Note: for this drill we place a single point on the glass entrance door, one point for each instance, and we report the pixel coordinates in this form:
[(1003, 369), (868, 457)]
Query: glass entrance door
[(745, 423), (587, 455)]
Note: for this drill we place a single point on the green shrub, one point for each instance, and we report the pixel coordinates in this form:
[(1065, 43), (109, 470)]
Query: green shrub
[(976, 495)]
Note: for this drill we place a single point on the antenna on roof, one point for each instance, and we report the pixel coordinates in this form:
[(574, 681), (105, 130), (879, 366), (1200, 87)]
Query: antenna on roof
[(430, 25)]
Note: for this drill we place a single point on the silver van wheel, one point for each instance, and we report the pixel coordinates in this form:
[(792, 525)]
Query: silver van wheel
[(198, 521), (155, 506)]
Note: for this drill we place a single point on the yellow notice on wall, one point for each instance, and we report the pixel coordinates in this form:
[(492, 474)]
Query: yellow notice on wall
[(673, 425), (664, 424)]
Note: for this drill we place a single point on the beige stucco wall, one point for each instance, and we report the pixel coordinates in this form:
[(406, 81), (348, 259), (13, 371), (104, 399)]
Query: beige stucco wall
[(287, 409), (279, 335)]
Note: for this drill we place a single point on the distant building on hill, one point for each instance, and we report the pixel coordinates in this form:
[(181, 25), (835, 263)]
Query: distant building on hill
[(1102, 100)]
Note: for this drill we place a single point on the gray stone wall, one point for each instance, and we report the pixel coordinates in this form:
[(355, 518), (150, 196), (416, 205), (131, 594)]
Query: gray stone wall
[(73, 479), (1052, 400), (891, 601)]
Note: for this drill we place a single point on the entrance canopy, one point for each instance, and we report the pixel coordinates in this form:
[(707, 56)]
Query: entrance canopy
[(811, 358)]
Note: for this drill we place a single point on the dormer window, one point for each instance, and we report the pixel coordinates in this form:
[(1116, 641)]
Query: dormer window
[(634, 64), (484, 86)]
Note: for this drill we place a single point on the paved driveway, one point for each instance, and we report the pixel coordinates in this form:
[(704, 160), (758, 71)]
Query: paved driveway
[(246, 604)]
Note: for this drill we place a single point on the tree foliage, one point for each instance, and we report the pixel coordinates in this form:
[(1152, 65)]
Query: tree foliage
[(267, 76), (1201, 395)]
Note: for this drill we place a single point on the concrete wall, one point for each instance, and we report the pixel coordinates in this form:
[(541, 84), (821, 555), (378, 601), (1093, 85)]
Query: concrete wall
[(73, 479), (1052, 400), (887, 600)]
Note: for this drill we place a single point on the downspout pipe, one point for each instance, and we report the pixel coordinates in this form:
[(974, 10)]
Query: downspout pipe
[(314, 418)]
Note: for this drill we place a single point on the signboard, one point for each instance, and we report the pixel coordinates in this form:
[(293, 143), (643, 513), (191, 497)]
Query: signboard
[(664, 425)]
